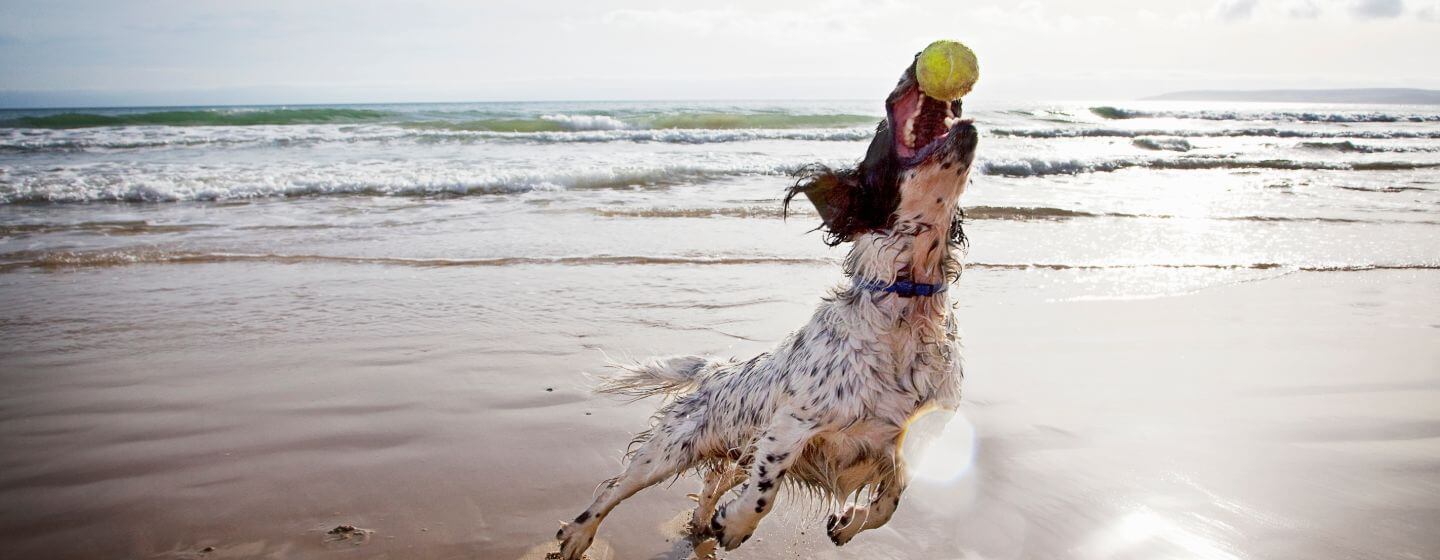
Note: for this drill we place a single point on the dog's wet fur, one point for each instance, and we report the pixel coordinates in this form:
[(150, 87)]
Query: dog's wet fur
[(826, 410)]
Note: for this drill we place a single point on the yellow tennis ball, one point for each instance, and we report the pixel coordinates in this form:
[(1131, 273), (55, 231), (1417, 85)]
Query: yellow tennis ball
[(947, 70)]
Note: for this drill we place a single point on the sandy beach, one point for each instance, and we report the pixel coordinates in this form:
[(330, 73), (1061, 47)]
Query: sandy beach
[(251, 407)]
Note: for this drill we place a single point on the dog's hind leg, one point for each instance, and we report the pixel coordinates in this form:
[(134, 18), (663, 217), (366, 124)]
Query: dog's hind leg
[(717, 483), (776, 449), (858, 518), (655, 460)]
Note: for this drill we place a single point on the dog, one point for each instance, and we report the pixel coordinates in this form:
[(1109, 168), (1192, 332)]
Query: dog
[(826, 410)]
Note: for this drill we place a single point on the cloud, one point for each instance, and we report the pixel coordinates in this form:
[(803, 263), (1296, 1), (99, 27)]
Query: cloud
[(1429, 13), (1033, 16), (1377, 9), (829, 21), (1274, 11), (1303, 9), (1231, 11)]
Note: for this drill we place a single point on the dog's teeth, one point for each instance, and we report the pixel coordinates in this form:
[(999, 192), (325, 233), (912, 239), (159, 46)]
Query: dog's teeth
[(910, 132)]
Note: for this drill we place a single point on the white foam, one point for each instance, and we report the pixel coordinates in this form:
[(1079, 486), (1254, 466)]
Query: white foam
[(591, 131), (177, 182), (586, 122)]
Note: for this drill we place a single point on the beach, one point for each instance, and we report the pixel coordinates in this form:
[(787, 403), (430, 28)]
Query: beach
[(1288, 417), (1191, 331)]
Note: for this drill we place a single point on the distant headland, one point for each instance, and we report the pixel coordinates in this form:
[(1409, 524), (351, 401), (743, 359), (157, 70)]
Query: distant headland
[(1398, 96)]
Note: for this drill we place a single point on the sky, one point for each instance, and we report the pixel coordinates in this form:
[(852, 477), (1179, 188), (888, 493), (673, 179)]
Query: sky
[(197, 52)]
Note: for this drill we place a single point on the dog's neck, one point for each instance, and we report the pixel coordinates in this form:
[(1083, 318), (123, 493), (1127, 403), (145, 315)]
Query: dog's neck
[(917, 247), (917, 251)]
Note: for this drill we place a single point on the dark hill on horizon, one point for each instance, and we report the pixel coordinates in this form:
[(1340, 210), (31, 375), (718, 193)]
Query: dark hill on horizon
[(1398, 96)]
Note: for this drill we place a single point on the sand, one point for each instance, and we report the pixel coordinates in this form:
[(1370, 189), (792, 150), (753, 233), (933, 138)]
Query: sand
[(158, 411)]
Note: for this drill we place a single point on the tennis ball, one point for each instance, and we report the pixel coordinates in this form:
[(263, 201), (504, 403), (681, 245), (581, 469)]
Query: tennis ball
[(946, 70)]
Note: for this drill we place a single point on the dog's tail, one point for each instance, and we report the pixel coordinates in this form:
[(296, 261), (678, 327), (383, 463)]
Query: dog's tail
[(679, 374)]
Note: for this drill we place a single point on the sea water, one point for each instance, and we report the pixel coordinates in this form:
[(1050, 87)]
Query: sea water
[(1151, 197)]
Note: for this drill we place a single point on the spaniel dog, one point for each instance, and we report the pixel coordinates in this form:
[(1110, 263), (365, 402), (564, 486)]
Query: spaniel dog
[(826, 409)]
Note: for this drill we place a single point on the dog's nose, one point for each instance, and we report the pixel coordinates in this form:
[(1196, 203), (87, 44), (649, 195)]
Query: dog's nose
[(965, 135)]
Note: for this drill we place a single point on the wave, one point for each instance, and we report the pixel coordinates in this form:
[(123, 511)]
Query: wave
[(771, 211), (1116, 113), (729, 121), (677, 121), (126, 257), (120, 183), (92, 140), (1002, 213), (115, 227), (1227, 133), (1165, 144), (1031, 213), (1348, 146), (551, 122), (1036, 213), (1034, 167), (228, 117), (63, 260), (1382, 189), (668, 136)]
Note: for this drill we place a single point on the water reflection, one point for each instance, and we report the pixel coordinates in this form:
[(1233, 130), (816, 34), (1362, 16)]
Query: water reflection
[(1145, 533)]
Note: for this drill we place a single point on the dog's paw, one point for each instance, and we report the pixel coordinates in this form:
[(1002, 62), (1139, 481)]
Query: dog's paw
[(842, 528), (731, 531), (574, 539), (700, 526)]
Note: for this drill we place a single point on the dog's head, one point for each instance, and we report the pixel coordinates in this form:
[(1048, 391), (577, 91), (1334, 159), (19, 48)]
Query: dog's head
[(921, 149)]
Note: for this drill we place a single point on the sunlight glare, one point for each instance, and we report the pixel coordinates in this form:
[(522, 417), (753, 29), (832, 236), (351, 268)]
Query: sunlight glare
[(944, 457)]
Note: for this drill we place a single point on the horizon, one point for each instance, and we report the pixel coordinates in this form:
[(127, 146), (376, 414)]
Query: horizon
[(710, 100), (90, 54)]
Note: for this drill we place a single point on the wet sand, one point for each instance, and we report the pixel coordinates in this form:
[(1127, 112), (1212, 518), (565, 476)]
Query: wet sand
[(153, 411)]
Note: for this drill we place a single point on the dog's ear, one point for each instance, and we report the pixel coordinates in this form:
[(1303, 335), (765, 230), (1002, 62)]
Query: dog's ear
[(823, 191), (831, 193), (853, 201)]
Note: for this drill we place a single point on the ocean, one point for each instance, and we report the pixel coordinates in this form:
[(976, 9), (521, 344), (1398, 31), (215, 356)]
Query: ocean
[(1199, 330), (1163, 196)]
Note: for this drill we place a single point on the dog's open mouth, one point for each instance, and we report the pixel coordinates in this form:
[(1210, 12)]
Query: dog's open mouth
[(919, 122)]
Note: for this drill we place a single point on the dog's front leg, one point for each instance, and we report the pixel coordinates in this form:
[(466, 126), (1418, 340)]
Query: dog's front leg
[(858, 518), (775, 450)]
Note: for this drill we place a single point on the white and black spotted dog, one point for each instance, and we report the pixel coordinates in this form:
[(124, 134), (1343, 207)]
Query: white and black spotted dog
[(826, 409)]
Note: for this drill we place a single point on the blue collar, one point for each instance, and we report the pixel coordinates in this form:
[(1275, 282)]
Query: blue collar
[(903, 288)]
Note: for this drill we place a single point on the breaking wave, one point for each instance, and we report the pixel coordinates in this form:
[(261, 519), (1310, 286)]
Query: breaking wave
[(677, 121), (105, 140), (1034, 167), (1109, 112), (1348, 146), (1228, 133), (1163, 144), (125, 257), (165, 185), (550, 122), (120, 182), (223, 117), (765, 211)]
